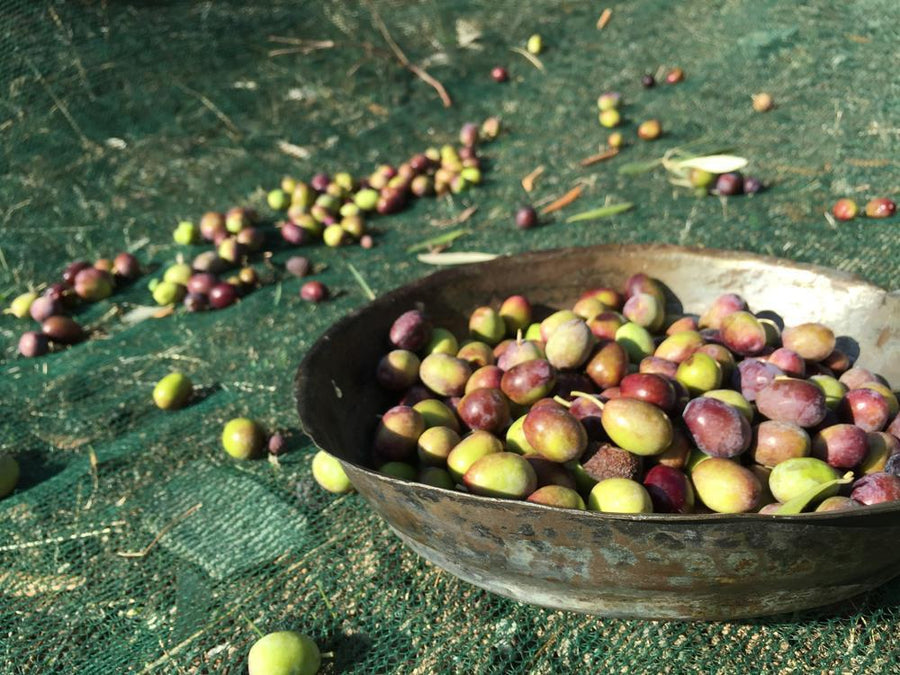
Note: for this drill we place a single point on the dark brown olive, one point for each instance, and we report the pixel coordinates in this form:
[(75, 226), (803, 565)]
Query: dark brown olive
[(63, 330)]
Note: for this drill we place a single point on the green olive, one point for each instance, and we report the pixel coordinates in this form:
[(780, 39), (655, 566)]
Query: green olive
[(173, 391), (284, 653), (329, 474), (243, 438), (9, 475)]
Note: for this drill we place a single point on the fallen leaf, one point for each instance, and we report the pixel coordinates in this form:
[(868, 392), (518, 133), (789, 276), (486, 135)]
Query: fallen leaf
[(715, 163), (460, 258)]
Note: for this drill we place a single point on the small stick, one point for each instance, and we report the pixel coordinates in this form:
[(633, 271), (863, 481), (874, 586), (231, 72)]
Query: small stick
[(85, 141), (604, 18), (528, 181), (212, 107), (159, 535), (405, 62), (300, 42), (300, 46), (601, 157), (563, 201), (868, 163), (456, 220)]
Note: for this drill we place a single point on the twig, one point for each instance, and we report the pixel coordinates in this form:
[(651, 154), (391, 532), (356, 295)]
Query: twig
[(601, 157), (300, 46), (159, 535), (604, 18), (456, 220), (868, 163), (405, 62), (300, 42), (362, 282), (213, 108), (528, 181), (85, 141), (535, 61), (563, 201)]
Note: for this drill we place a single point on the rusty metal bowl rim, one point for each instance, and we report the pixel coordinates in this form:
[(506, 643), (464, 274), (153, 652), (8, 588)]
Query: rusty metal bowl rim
[(303, 390)]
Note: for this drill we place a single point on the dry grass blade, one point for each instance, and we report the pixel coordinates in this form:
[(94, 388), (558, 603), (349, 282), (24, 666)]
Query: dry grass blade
[(370, 294), (532, 59), (563, 201)]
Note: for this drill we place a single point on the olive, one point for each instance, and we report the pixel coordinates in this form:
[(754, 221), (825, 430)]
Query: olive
[(173, 391), (242, 438)]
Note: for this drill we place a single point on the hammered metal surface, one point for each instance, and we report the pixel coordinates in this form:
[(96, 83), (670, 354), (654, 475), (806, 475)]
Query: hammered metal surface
[(658, 566)]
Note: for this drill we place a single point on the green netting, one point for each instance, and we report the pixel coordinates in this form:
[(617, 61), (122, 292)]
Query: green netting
[(119, 119)]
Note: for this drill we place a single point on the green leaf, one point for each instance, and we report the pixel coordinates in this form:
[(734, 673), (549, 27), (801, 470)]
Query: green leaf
[(635, 168), (441, 239), (801, 501), (716, 164), (602, 212)]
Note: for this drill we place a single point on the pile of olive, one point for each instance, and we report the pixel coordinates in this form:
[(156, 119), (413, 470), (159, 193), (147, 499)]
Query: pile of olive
[(81, 282), (615, 406)]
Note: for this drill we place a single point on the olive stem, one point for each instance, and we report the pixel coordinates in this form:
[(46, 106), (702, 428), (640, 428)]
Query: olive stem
[(256, 630), (590, 397), (562, 401)]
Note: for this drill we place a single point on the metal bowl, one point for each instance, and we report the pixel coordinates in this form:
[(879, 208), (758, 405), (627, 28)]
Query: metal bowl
[(701, 567)]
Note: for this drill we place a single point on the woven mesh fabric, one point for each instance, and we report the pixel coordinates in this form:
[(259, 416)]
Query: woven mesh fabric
[(119, 119)]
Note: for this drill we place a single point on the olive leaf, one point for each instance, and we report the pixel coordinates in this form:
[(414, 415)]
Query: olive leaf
[(141, 313), (602, 212), (460, 258), (801, 501), (716, 164), (439, 240), (634, 168)]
